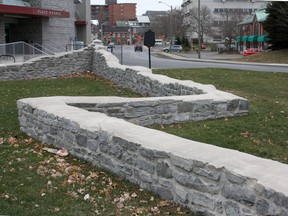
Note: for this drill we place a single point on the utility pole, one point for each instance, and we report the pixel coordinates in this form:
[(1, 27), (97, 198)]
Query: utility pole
[(199, 30), (171, 24)]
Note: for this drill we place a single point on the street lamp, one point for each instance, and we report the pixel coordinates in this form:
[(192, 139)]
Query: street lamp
[(171, 10), (199, 30)]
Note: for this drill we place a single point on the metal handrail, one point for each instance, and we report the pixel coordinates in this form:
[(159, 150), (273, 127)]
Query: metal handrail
[(36, 45), (21, 50)]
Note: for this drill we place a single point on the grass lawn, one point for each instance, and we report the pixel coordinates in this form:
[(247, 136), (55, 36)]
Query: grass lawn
[(263, 132), (34, 182), (277, 56)]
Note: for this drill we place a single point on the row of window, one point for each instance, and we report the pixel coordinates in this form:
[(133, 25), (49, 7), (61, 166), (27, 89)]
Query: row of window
[(234, 10)]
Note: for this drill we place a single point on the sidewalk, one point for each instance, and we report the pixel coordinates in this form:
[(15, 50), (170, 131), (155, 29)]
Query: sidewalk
[(216, 58)]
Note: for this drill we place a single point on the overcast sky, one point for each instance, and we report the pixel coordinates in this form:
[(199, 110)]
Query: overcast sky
[(144, 5)]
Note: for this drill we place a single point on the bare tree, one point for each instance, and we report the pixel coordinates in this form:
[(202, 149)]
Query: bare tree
[(161, 25), (228, 28), (205, 20)]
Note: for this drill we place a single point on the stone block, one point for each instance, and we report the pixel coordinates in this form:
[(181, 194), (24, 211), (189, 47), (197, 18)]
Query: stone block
[(163, 170), (202, 200), (241, 193), (182, 163), (145, 165)]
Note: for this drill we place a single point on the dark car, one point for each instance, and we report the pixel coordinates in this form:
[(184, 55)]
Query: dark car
[(174, 48), (138, 47)]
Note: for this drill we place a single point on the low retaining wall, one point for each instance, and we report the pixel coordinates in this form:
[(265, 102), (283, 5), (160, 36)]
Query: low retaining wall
[(207, 179), (49, 66)]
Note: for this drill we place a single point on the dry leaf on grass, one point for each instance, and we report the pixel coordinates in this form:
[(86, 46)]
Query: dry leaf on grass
[(164, 203), (247, 134)]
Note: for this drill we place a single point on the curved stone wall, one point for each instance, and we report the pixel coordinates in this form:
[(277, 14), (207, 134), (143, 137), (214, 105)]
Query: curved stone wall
[(207, 179)]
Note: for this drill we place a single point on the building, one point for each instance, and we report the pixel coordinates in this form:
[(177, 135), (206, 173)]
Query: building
[(118, 23), (221, 10), (112, 12), (251, 32), (49, 23)]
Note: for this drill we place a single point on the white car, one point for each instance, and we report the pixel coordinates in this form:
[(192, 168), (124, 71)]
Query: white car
[(174, 48)]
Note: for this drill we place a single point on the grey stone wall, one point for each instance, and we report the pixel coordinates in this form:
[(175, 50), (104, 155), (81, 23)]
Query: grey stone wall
[(49, 66), (207, 179), (166, 110)]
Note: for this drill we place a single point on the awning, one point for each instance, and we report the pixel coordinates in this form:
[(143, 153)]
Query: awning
[(252, 38), (238, 38), (263, 38), (245, 38)]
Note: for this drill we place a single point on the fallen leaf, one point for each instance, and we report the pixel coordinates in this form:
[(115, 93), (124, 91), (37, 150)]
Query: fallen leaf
[(164, 203), (134, 195), (12, 140), (56, 209), (247, 134), (87, 197), (28, 141), (155, 210)]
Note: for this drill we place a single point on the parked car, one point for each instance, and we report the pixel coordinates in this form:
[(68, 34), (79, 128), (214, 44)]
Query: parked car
[(203, 46), (252, 51), (111, 45), (174, 48), (138, 47)]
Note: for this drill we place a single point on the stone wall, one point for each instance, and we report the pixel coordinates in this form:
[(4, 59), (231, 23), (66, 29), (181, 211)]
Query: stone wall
[(207, 179), (166, 110), (49, 66)]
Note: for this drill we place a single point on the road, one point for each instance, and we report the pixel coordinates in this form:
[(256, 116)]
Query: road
[(132, 58)]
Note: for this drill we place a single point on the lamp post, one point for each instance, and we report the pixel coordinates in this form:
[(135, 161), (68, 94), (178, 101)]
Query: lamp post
[(171, 10), (199, 30)]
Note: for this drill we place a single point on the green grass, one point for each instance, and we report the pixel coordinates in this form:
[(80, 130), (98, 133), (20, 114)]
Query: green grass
[(35, 182), (277, 56), (263, 132)]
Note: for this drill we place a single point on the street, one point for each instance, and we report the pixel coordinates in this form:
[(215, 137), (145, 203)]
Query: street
[(132, 58)]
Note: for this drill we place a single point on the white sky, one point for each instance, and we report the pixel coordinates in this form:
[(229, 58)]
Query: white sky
[(144, 5)]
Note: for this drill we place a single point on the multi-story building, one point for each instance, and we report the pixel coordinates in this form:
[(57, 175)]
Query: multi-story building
[(116, 22), (112, 12), (220, 9), (45, 22)]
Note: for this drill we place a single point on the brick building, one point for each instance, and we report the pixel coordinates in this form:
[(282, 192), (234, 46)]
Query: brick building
[(110, 15), (112, 12), (251, 32), (45, 22)]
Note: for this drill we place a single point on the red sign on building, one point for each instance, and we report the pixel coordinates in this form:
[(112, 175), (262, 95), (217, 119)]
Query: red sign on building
[(8, 9)]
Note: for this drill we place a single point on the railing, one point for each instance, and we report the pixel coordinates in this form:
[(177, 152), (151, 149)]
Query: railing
[(50, 50), (74, 46), (22, 51)]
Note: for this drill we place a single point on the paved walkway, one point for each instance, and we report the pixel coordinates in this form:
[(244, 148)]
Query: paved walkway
[(217, 58)]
